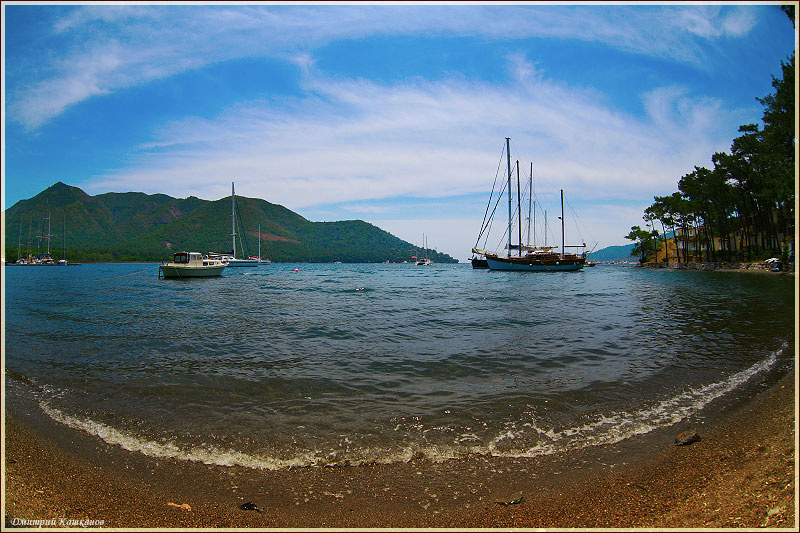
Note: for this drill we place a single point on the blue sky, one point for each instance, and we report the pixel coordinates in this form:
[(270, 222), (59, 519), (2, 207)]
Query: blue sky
[(393, 114)]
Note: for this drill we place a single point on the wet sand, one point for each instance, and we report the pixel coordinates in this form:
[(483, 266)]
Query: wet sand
[(741, 474)]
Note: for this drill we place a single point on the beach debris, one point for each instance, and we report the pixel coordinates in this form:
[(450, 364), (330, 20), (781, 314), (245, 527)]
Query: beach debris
[(512, 500), (249, 506), (687, 437), (181, 506)]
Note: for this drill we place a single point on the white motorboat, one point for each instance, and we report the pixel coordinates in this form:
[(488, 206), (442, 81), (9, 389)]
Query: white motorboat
[(191, 265)]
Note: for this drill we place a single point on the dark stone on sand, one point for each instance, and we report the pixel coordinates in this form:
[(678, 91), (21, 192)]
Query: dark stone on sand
[(687, 437), (249, 506), (512, 500)]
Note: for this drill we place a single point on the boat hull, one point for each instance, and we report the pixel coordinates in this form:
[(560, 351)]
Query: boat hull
[(243, 262), (533, 265), (180, 272), (479, 263)]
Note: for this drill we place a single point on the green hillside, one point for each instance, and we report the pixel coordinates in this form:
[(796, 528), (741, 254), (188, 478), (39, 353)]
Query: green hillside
[(150, 227), (614, 253)]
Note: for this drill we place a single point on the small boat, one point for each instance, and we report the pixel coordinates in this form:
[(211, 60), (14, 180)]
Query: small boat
[(424, 261), (477, 262), (260, 261), (191, 265)]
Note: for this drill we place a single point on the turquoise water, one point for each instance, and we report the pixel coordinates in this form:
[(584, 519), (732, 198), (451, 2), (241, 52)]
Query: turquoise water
[(343, 364)]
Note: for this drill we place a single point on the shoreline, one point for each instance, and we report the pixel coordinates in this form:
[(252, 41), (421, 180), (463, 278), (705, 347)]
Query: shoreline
[(740, 474), (721, 266)]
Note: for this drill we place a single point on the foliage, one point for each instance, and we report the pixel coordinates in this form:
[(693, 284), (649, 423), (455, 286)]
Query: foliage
[(644, 242), (743, 208)]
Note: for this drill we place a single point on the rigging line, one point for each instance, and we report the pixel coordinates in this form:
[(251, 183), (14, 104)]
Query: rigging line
[(494, 209), (496, 173), (578, 219), (243, 241)]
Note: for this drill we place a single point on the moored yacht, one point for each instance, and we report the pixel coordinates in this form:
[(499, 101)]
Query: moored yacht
[(191, 265)]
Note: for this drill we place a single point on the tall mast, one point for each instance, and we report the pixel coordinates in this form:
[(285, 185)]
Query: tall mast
[(259, 243), (562, 223), (233, 219), (19, 241), (545, 227), (48, 227), (530, 206), (65, 235), (508, 161), (519, 212)]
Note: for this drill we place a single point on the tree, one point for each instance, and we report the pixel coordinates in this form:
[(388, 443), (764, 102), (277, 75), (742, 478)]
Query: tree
[(750, 190), (643, 242)]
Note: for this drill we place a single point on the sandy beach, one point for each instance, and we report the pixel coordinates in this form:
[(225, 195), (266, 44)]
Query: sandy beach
[(741, 474)]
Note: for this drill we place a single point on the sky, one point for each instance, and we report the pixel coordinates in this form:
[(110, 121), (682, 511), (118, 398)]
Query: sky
[(395, 114)]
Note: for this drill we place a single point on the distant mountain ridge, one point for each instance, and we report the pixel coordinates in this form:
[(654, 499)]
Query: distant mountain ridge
[(133, 226), (614, 253)]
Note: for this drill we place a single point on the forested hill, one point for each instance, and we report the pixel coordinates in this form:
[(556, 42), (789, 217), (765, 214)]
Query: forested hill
[(150, 227), (614, 253)]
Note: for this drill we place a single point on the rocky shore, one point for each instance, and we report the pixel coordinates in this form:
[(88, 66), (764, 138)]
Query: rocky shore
[(741, 473), (760, 267)]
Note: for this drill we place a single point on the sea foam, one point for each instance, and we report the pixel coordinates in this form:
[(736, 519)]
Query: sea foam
[(603, 429)]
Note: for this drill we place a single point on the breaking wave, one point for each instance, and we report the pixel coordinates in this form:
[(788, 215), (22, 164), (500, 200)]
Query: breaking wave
[(526, 439)]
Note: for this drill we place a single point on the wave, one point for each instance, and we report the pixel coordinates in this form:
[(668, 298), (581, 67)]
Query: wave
[(618, 426), (513, 441)]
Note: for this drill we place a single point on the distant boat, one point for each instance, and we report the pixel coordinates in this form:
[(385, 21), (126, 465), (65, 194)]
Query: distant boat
[(536, 258), (424, 261), (191, 265), (260, 261)]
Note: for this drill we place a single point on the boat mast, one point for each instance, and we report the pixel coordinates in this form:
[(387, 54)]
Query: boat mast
[(259, 243), (508, 162), (562, 223), (519, 212), (48, 227), (233, 219), (530, 208), (545, 227)]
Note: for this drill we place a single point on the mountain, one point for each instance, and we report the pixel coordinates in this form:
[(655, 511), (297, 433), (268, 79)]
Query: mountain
[(134, 226), (614, 253)]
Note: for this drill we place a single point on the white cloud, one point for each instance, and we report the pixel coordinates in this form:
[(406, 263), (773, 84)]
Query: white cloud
[(122, 46), (356, 141)]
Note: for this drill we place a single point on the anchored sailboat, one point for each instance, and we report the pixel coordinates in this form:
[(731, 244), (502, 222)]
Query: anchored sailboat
[(230, 259), (425, 261), (264, 261), (535, 258)]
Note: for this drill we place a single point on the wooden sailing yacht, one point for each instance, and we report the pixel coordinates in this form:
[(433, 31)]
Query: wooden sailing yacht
[(535, 258)]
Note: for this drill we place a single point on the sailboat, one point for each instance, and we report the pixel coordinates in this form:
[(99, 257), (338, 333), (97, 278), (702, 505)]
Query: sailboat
[(230, 259), (425, 261), (536, 258), (261, 261)]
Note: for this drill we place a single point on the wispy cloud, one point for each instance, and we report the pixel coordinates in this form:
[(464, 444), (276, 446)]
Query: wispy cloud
[(114, 47), (358, 140)]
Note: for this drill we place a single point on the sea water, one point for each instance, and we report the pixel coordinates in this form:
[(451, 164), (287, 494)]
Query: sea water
[(333, 364)]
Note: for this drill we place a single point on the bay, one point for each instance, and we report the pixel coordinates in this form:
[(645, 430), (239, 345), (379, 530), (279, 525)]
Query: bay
[(320, 364)]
